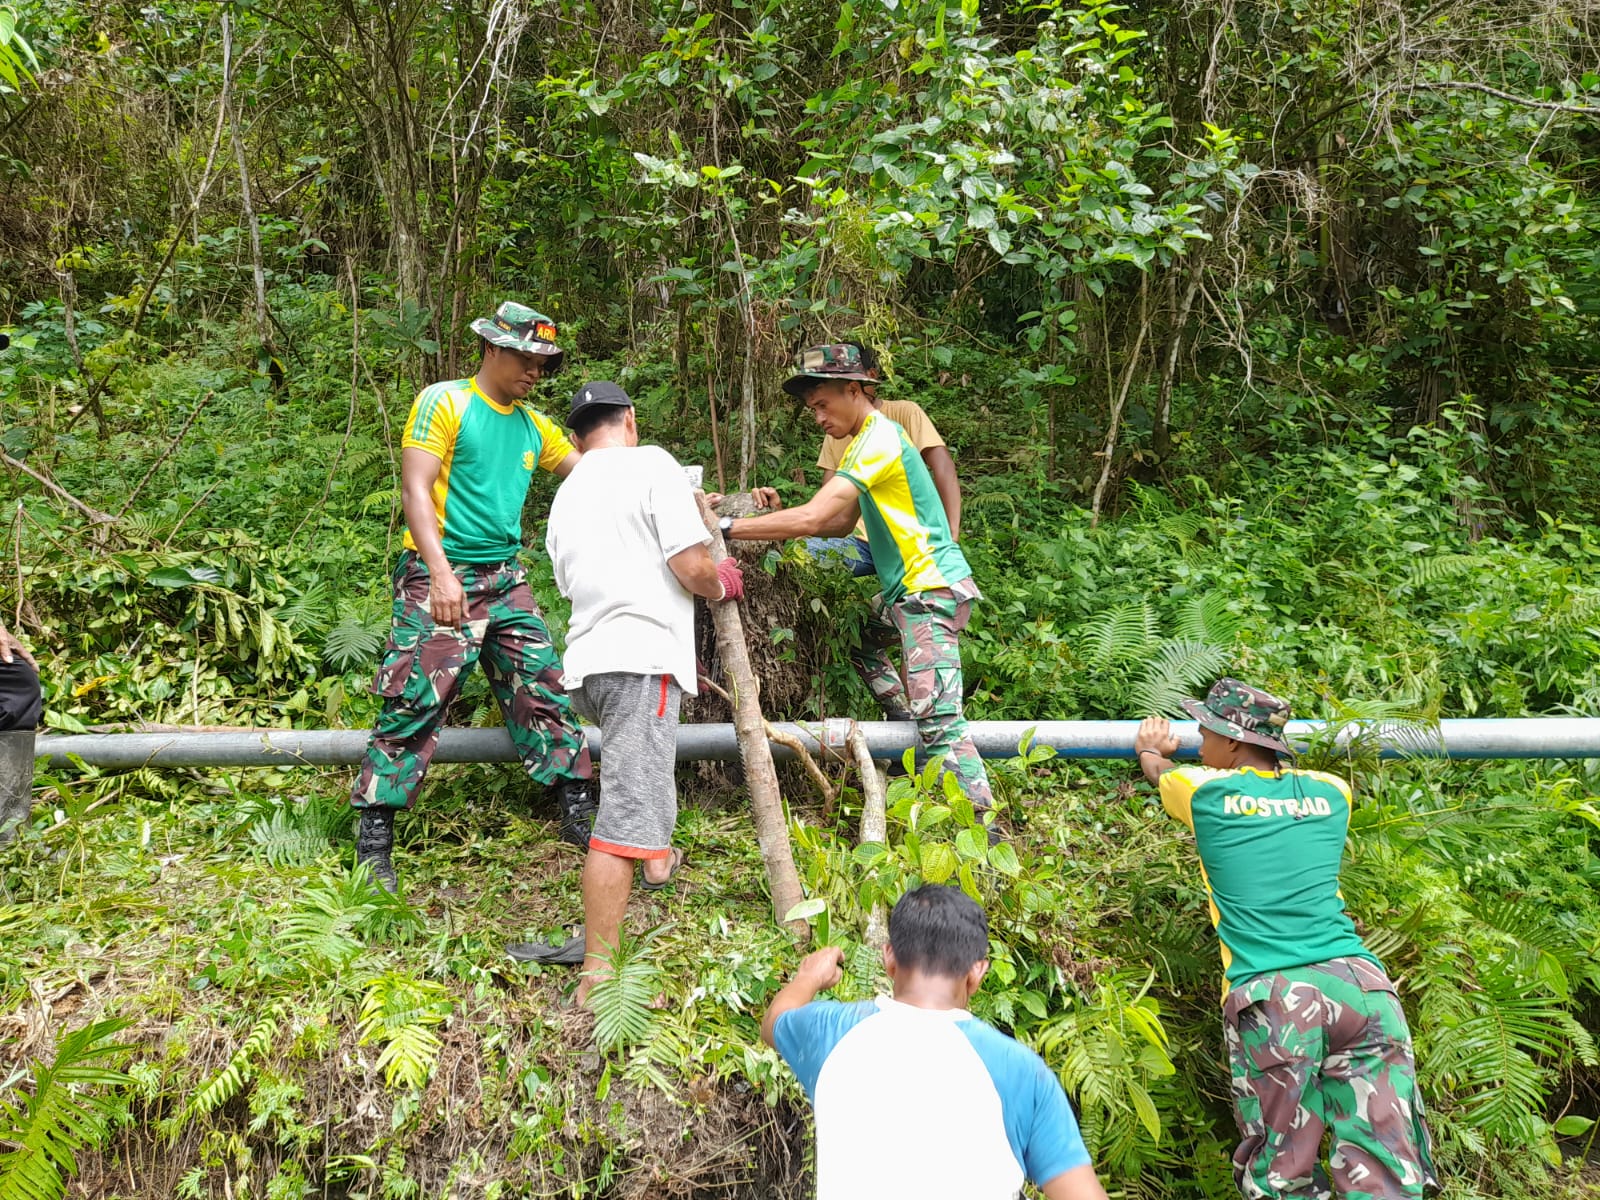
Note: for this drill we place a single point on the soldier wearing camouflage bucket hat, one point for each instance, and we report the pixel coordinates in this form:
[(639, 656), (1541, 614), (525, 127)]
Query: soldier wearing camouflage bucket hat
[(1317, 1041), (926, 586), (470, 449)]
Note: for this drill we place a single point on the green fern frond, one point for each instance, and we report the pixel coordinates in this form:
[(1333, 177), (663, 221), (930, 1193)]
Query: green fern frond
[(1578, 611), (351, 643), (1542, 948), (981, 499), (1441, 567), (1358, 733), (1183, 527), (145, 526), (1125, 633), (357, 461), (1106, 1053), (621, 999), (1206, 617), (285, 842), (238, 1071), (310, 610), (384, 498), (321, 933), (1177, 668), (67, 1112), (400, 1013)]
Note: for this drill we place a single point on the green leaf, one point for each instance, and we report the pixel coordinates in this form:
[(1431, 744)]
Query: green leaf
[(1004, 859), (938, 862), (864, 855), (1574, 1125), (170, 577), (806, 909)]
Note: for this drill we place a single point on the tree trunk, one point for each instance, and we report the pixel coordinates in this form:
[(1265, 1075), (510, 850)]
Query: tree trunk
[(1161, 434), (766, 802), (263, 316), (1118, 402), (874, 827)]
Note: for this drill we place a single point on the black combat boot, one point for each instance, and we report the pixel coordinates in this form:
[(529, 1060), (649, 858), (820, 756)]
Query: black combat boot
[(374, 844), (576, 806)]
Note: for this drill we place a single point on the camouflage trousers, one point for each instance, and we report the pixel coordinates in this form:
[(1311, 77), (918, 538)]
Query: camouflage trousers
[(925, 684), (1325, 1049), (422, 669)]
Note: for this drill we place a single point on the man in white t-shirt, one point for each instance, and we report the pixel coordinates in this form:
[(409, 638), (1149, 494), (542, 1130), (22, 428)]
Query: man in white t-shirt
[(914, 1096), (630, 552)]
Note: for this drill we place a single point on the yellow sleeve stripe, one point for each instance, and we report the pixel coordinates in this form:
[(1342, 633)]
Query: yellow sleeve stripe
[(870, 453), (1178, 787), (434, 402), (1342, 784), (554, 444)]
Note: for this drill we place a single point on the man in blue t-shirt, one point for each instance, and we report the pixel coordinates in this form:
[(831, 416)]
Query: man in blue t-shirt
[(974, 1113)]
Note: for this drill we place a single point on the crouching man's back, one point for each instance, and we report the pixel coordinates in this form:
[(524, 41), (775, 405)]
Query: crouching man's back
[(914, 1096)]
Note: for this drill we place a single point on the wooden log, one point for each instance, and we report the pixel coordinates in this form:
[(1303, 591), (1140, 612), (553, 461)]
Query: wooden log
[(766, 802), (874, 826)]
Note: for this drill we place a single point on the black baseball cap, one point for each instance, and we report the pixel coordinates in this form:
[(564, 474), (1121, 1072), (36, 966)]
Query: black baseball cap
[(599, 393)]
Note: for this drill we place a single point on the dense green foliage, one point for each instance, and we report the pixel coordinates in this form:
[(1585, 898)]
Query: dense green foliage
[(1265, 338)]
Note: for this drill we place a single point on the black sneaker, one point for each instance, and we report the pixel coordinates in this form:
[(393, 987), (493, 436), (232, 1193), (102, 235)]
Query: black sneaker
[(375, 846), (576, 806)]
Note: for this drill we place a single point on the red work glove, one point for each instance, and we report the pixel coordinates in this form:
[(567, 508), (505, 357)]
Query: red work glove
[(731, 578)]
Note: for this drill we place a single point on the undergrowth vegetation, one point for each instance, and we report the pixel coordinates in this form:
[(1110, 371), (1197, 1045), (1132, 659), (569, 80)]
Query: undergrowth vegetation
[(1265, 338), (285, 1028)]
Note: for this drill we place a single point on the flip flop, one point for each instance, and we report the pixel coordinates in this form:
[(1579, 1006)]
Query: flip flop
[(568, 954), (676, 858)]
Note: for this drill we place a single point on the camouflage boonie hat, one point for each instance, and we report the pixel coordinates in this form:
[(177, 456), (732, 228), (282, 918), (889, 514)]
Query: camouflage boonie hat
[(1246, 714), (833, 361), (518, 327)]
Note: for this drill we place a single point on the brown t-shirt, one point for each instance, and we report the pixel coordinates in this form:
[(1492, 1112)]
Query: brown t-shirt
[(907, 414)]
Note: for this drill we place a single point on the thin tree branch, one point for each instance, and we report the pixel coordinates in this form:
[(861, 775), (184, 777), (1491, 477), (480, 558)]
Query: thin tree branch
[(1584, 110), (165, 454), (94, 514), (830, 796)]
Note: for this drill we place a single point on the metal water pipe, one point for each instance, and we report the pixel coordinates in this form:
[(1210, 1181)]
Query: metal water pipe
[(1509, 738)]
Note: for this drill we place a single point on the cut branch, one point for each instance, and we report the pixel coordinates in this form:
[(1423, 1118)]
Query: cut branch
[(874, 826), (61, 493), (165, 454), (1583, 110), (766, 802), (830, 797)]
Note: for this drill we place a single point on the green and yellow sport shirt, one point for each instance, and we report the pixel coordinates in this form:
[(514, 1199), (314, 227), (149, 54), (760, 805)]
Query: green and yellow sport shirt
[(906, 524), (487, 454), (1270, 850)]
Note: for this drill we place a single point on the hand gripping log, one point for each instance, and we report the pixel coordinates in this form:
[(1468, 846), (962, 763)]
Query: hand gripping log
[(766, 803)]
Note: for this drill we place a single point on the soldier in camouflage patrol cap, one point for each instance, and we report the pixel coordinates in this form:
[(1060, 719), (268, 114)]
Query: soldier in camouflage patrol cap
[(1243, 713), (837, 360), (1317, 1040), (927, 590), (470, 449)]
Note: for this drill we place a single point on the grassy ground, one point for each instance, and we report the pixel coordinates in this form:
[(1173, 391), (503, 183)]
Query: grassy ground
[(296, 1033), (220, 920)]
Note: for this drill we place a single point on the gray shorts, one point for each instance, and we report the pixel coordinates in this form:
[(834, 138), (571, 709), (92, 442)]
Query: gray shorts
[(638, 720)]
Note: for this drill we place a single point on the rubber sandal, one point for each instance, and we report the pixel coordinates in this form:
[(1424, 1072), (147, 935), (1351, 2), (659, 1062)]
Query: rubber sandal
[(672, 875), (568, 954)]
